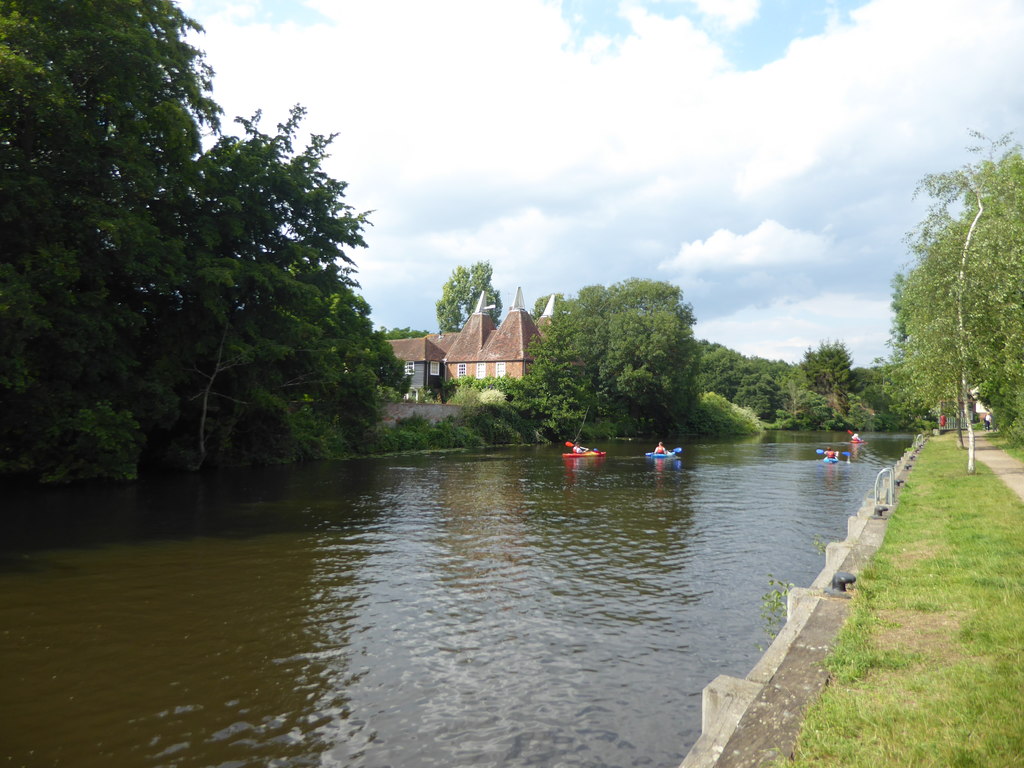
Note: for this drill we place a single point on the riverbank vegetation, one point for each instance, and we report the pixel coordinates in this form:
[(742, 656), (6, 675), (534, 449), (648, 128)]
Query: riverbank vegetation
[(927, 668)]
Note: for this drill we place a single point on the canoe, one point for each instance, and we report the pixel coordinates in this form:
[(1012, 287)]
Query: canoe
[(669, 455), (583, 455), (831, 461)]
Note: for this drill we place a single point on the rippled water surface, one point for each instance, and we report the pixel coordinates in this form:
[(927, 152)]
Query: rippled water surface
[(501, 609)]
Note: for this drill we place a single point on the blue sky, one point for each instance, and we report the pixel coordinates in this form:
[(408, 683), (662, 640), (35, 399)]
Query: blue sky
[(761, 154)]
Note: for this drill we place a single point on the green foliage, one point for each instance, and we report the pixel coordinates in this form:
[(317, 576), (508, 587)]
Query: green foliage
[(158, 302), (714, 415), (95, 443), (497, 423), (626, 351), (960, 307), (827, 370), (478, 424), (418, 434), (401, 333), (460, 294), (101, 115), (553, 394), (753, 382), (774, 606)]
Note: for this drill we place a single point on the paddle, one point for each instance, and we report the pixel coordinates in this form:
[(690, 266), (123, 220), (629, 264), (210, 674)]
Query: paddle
[(580, 432), (677, 450)]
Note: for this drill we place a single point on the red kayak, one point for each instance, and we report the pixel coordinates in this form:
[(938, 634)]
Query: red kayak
[(583, 455)]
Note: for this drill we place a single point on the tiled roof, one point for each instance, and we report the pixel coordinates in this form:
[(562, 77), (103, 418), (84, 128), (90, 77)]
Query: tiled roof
[(472, 338), (412, 350), (479, 340), (511, 340), (444, 340)]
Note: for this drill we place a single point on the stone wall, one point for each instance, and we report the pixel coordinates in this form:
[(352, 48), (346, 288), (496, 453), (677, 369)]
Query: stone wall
[(432, 412)]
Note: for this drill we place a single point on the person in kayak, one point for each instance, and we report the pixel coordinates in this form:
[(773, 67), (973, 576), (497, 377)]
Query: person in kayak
[(856, 438), (577, 448), (661, 448), (830, 454)]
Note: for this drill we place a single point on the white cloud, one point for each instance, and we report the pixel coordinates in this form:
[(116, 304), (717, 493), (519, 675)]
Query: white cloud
[(491, 131), (770, 245), (786, 330), (729, 13)]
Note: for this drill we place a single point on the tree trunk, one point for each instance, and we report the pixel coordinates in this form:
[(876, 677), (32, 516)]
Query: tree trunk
[(962, 343), (965, 402)]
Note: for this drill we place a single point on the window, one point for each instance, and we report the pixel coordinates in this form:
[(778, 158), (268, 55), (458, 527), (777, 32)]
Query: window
[(435, 368), (460, 371), (410, 369), (481, 370), (499, 370)]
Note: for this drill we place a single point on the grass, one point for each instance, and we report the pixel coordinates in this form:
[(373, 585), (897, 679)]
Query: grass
[(929, 669)]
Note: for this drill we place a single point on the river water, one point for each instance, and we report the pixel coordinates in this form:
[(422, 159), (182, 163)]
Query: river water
[(508, 608)]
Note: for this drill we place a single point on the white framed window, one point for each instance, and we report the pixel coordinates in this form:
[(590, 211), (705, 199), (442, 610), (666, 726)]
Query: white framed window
[(410, 369), (481, 370), (435, 368), (460, 370), (499, 370)]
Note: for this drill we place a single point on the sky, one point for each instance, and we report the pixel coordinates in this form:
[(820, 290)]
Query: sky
[(762, 155)]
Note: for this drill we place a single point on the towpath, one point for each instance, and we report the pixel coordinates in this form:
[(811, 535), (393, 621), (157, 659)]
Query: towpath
[(1002, 464)]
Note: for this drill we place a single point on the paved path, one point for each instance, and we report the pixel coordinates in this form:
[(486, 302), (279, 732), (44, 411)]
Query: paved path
[(1002, 463)]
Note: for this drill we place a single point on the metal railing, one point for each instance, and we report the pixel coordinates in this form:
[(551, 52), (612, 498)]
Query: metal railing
[(889, 487)]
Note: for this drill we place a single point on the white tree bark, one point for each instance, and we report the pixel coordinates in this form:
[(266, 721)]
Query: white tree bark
[(962, 341)]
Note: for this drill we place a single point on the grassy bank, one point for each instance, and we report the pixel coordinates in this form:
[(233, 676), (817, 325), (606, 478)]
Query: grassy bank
[(929, 669)]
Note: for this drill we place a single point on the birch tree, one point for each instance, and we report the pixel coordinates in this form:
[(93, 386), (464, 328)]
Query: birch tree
[(953, 329)]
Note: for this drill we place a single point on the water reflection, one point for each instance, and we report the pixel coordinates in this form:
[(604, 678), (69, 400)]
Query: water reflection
[(509, 609)]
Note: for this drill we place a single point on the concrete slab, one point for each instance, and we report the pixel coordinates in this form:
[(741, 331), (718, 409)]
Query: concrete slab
[(768, 729)]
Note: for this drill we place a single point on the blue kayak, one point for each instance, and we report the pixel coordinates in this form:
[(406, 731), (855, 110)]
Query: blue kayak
[(831, 461), (674, 454)]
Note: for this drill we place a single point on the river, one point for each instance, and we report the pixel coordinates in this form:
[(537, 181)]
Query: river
[(500, 608)]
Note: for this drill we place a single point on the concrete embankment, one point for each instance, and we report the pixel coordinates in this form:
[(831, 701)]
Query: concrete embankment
[(754, 720)]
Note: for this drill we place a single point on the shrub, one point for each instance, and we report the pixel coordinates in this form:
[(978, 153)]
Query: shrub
[(714, 415)]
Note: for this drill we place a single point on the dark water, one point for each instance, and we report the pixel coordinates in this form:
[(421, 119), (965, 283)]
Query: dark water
[(458, 609)]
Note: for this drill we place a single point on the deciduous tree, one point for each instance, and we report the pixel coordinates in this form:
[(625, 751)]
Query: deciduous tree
[(827, 370), (156, 300), (961, 300), (460, 294)]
